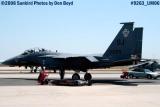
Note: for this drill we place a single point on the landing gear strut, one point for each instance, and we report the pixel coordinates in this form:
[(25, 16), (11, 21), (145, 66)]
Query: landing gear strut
[(35, 70), (54, 70), (61, 73), (31, 69)]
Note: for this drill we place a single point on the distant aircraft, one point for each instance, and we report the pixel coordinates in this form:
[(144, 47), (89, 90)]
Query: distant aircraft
[(125, 49)]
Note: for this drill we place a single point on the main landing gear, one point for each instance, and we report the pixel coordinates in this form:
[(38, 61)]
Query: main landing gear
[(75, 76), (87, 76)]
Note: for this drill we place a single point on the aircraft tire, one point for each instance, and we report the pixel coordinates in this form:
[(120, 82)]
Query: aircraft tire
[(87, 76), (75, 76)]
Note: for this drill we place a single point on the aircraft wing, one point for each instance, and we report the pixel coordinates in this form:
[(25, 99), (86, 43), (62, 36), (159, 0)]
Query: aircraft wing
[(80, 62), (70, 57), (75, 62)]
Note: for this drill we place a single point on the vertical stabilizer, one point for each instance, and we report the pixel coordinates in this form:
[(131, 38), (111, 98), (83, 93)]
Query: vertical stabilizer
[(126, 45), (138, 34)]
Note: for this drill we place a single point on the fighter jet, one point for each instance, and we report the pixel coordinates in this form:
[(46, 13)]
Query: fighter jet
[(125, 49)]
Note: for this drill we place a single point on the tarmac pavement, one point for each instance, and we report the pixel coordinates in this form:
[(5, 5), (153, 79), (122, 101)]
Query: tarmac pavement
[(30, 79), (108, 90)]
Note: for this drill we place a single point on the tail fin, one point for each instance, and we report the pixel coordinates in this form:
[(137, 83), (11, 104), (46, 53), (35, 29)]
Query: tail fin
[(126, 45), (138, 34)]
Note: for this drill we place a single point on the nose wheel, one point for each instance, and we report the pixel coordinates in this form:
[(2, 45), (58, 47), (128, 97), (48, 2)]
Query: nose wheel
[(87, 76), (75, 76)]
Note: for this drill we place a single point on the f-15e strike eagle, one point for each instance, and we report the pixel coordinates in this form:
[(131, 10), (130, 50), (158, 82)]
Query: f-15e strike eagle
[(125, 49)]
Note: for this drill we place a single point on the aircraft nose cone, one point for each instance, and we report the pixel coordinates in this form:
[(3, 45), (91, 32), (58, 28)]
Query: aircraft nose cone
[(11, 61), (4, 63)]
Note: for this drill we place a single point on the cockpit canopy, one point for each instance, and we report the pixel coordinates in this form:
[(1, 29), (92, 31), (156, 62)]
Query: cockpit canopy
[(34, 50)]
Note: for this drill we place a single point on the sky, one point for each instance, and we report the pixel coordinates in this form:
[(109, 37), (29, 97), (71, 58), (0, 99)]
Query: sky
[(86, 27)]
